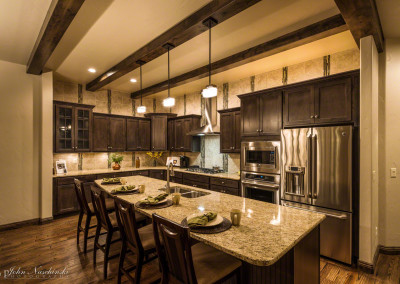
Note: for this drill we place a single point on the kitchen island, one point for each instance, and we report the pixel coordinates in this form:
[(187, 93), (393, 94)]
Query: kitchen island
[(276, 243)]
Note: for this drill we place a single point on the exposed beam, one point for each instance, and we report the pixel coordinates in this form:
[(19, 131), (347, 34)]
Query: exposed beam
[(57, 21), (319, 30), (185, 30), (362, 18)]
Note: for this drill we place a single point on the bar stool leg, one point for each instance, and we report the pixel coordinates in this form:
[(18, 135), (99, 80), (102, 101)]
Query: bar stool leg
[(78, 230), (86, 232), (96, 241), (121, 261), (139, 265), (106, 252)]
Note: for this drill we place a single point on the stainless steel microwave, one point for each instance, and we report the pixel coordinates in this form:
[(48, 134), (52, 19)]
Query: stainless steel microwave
[(260, 156)]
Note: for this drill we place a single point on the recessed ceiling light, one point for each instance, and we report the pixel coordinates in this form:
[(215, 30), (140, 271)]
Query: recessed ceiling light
[(92, 70), (133, 80)]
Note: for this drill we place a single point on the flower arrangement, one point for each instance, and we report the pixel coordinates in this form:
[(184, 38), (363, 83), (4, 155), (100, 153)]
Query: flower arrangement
[(154, 156), (116, 159)]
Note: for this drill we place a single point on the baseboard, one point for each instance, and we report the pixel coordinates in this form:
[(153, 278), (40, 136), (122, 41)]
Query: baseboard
[(368, 267), (45, 220), (389, 250), (20, 224)]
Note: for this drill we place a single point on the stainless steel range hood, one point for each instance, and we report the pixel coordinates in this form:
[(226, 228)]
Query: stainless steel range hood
[(210, 113)]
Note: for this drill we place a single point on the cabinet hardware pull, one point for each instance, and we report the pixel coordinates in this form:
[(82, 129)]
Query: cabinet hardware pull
[(315, 196), (316, 116), (312, 116), (222, 182)]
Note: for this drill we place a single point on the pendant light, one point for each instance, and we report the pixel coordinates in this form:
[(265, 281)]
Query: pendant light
[(168, 102), (141, 108), (210, 90)]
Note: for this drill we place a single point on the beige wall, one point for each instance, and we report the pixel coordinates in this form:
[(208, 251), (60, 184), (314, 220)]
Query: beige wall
[(19, 143), (390, 192)]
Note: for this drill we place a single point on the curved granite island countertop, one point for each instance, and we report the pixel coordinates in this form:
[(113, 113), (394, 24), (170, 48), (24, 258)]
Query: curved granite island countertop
[(266, 233)]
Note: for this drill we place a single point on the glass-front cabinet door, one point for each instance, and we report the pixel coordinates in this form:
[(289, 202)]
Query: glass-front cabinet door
[(83, 118), (64, 130)]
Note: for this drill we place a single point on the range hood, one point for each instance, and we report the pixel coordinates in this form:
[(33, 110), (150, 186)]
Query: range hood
[(210, 114)]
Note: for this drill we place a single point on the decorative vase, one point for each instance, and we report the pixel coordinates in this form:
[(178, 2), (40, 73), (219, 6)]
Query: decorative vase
[(116, 166), (154, 163)]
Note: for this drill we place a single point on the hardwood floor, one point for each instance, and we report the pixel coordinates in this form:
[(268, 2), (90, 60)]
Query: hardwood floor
[(53, 245)]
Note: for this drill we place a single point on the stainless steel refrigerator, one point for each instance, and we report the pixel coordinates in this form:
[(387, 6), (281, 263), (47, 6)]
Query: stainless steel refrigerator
[(316, 175)]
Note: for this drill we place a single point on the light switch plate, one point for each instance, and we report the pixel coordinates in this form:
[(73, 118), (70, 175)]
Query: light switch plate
[(393, 172)]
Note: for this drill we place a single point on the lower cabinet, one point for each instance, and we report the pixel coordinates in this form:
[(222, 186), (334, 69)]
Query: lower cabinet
[(225, 186), (158, 174)]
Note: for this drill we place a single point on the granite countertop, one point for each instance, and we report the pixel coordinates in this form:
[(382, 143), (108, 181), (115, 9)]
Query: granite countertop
[(233, 176), (266, 233)]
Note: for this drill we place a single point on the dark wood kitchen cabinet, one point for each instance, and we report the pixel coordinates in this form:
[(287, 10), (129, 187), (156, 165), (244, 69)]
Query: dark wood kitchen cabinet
[(324, 101), (230, 130), (72, 127), (138, 132), (159, 130), (109, 133), (178, 138), (261, 113)]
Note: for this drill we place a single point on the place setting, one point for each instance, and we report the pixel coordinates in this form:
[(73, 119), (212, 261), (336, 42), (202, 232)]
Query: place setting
[(154, 202), (124, 188), (211, 222)]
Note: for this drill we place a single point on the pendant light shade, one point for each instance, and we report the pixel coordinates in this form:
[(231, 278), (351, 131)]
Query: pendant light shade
[(168, 102), (141, 108), (210, 90)]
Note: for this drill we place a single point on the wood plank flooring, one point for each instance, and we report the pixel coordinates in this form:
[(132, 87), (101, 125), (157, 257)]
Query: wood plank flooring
[(53, 245)]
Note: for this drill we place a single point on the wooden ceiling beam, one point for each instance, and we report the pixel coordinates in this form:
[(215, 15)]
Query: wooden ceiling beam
[(316, 31), (362, 18), (57, 21), (185, 30)]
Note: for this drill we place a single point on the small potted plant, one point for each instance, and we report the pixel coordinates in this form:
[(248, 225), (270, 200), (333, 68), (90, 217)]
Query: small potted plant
[(116, 159)]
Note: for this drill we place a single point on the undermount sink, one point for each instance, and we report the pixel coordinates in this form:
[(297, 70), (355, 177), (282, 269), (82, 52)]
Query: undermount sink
[(185, 192)]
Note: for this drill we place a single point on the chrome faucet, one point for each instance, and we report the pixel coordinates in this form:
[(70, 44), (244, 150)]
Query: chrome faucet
[(170, 173)]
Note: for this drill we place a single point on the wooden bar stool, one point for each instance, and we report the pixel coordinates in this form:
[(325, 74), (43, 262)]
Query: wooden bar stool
[(86, 208), (183, 263), (140, 241), (105, 221)]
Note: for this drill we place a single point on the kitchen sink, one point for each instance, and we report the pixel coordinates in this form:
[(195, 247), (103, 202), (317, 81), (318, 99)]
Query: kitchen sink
[(185, 192)]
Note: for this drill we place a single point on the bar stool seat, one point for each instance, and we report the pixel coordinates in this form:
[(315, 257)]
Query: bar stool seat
[(211, 265), (147, 237), (109, 205)]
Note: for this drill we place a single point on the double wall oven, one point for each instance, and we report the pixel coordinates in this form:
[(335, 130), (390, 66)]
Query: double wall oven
[(260, 170)]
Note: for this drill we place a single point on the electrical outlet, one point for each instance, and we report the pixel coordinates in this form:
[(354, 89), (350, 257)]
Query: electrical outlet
[(393, 172)]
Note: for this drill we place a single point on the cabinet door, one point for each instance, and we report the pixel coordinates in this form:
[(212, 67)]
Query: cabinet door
[(171, 135), (132, 134), (144, 135), (100, 133), (64, 129), (66, 199), (159, 133), (298, 106), (83, 129), (237, 133), (179, 135), (271, 113), (333, 101), (187, 139), (117, 134), (227, 137), (158, 174), (250, 112)]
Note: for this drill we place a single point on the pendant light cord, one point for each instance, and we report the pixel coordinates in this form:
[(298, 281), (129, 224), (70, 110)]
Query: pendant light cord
[(209, 52), (168, 73), (141, 93)]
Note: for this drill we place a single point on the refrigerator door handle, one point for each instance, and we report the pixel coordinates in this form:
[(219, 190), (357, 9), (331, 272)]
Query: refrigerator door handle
[(337, 216), (310, 165), (314, 167)]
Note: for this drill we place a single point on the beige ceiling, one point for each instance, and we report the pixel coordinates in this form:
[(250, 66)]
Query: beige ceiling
[(20, 23), (389, 13), (123, 26)]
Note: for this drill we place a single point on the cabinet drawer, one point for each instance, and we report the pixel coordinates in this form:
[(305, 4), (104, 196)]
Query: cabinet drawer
[(113, 175), (65, 180), (196, 184), (158, 174), (225, 182), (89, 178), (141, 173), (177, 180), (197, 178), (224, 189), (178, 175)]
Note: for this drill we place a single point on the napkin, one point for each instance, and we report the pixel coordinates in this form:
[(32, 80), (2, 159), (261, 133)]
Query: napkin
[(123, 188), (201, 220), (111, 180), (154, 200)]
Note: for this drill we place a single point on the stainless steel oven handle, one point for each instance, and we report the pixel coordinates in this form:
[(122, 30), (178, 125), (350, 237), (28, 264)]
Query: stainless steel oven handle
[(261, 186), (341, 216)]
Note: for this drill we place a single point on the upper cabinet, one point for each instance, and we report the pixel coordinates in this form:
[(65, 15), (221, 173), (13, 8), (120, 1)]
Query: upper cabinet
[(109, 133), (159, 130), (322, 102), (178, 128), (261, 113), (230, 130), (138, 132), (72, 127)]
